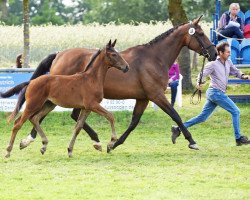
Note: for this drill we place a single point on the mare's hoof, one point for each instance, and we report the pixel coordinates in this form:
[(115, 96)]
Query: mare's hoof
[(175, 133), (193, 146), (97, 146), (110, 147)]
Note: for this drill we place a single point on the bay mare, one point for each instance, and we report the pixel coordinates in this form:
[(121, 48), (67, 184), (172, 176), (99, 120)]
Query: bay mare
[(146, 80), (83, 90)]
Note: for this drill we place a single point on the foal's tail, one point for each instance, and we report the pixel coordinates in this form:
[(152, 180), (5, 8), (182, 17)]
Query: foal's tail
[(42, 69), (20, 102)]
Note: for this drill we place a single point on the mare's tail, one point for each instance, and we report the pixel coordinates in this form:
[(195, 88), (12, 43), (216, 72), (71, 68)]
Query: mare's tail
[(42, 69), (14, 90)]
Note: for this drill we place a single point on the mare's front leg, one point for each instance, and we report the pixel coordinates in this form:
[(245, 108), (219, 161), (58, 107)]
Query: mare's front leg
[(139, 108), (92, 134), (163, 103), (79, 124)]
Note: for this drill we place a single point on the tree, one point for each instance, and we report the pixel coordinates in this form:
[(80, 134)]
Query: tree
[(3, 10), (125, 11), (177, 16), (44, 12), (26, 34)]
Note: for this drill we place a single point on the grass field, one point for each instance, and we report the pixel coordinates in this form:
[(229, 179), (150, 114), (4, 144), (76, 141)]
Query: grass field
[(146, 166)]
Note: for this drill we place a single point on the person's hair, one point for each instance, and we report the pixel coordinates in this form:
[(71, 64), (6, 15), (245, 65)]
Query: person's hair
[(222, 46), (19, 61), (234, 5)]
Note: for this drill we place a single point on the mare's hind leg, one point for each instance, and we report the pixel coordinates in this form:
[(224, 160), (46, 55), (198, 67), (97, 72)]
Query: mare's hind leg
[(92, 134), (79, 124), (35, 120), (140, 107), (163, 103), (103, 112), (17, 126)]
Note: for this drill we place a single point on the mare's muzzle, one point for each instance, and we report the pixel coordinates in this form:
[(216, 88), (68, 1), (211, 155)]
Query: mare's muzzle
[(125, 69)]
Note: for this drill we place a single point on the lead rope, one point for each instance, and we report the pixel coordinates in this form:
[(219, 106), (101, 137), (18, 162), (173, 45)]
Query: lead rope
[(197, 90)]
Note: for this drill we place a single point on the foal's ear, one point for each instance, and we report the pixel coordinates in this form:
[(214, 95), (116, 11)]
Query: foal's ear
[(113, 44), (196, 21)]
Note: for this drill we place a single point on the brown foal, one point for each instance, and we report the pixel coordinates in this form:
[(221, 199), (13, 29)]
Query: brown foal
[(83, 90)]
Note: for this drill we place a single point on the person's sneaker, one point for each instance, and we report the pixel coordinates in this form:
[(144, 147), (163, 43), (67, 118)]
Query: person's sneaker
[(243, 140), (175, 133)]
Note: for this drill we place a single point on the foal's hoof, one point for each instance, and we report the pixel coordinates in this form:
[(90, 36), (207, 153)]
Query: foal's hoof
[(97, 146), (7, 155), (70, 153), (25, 142), (193, 146), (23, 145), (42, 150)]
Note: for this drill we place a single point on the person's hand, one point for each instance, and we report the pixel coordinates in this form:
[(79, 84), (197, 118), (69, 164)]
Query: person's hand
[(246, 77), (170, 80), (199, 87)]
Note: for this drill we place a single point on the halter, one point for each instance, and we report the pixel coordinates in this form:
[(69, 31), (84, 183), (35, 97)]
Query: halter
[(198, 91), (204, 50), (205, 53)]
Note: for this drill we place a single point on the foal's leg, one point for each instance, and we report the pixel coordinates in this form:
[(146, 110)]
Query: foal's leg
[(140, 107), (31, 137), (97, 108), (163, 103), (92, 134), (35, 120), (17, 126), (79, 124)]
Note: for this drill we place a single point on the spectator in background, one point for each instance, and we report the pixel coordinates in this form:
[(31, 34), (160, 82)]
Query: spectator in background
[(231, 25), (19, 61), (173, 80)]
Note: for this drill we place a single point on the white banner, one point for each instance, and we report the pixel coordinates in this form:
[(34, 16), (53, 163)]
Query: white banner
[(9, 80), (8, 105)]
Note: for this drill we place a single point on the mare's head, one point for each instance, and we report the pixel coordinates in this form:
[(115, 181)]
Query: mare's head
[(114, 59), (196, 40)]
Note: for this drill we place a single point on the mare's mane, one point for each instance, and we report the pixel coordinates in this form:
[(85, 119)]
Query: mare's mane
[(91, 61), (163, 35)]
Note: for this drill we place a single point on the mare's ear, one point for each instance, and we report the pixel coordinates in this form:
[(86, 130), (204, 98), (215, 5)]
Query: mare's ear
[(196, 21), (109, 44), (113, 44)]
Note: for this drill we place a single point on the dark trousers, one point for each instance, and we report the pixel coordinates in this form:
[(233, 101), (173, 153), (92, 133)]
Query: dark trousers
[(232, 32), (173, 85)]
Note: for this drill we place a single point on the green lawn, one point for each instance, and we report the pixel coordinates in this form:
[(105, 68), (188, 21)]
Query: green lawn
[(146, 166)]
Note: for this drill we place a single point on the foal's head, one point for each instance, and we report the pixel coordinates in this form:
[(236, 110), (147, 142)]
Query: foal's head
[(196, 40), (114, 59)]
